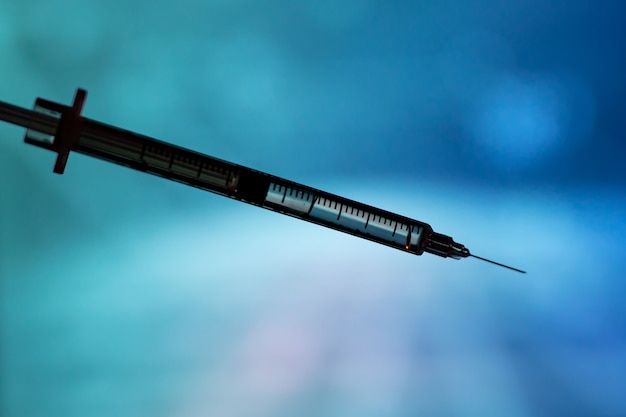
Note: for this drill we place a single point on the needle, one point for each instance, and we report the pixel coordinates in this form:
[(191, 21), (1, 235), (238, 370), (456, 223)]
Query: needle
[(499, 264)]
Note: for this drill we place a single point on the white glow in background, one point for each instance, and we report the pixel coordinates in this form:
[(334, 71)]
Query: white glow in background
[(246, 312)]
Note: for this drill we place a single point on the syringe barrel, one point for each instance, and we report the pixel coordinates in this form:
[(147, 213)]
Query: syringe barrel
[(235, 181)]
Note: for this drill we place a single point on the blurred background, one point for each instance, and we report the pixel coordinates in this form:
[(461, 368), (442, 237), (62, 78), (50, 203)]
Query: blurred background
[(500, 123)]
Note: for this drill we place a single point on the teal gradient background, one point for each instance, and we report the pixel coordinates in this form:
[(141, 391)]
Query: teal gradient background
[(499, 123)]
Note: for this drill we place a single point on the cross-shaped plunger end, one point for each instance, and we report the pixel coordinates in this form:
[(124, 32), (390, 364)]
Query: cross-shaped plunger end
[(68, 131)]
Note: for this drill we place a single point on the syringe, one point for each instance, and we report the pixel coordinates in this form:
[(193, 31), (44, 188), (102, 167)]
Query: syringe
[(62, 129)]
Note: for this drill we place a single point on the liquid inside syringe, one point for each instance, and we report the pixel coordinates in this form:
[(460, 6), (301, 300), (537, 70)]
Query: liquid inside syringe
[(61, 129)]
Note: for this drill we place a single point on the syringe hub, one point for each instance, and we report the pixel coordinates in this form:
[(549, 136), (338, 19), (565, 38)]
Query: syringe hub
[(445, 246)]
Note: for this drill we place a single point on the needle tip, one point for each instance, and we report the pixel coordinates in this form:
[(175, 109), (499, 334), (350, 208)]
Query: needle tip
[(499, 264)]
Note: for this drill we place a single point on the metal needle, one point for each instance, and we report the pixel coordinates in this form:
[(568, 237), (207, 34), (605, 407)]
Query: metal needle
[(499, 264)]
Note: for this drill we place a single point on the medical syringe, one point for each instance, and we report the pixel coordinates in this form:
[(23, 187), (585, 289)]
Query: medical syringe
[(62, 129)]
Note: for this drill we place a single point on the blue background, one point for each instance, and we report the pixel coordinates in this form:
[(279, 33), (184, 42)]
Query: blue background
[(500, 123)]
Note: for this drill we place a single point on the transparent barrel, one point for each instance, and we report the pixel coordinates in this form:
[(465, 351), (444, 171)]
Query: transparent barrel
[(348, 216), (192, 168)]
